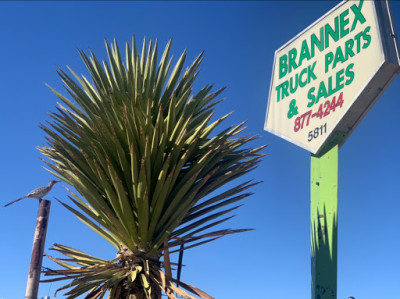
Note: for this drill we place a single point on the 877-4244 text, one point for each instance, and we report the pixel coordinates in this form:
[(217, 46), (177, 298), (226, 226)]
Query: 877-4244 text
[(324, 110)]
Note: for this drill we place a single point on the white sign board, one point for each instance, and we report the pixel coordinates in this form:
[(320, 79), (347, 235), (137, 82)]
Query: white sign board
[(326, 79)]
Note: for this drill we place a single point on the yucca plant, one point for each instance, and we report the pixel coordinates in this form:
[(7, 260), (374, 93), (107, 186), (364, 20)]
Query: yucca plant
[(140, 150)]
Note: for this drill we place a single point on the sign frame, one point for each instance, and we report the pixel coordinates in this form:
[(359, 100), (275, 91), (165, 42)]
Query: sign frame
[(369, 93)]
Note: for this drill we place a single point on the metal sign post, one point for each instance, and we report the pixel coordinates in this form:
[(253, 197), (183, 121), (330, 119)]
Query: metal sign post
[(324, 81), (324, 211)]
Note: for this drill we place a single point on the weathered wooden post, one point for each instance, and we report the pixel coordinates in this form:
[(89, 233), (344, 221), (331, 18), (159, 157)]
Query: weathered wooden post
[(39, 240)]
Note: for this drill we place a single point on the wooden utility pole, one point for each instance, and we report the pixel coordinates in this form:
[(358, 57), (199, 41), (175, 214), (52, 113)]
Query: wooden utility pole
[(39, 241)]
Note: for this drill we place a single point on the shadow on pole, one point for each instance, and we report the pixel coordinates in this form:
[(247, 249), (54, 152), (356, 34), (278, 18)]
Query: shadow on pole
[(324, 257)]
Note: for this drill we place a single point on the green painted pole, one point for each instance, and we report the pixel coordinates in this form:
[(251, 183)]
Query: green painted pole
[(324, 207)]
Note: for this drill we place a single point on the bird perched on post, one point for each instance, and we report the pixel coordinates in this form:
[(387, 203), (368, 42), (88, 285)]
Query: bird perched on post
[(38, 193)]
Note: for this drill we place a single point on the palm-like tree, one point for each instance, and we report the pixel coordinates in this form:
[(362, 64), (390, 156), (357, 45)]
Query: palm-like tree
[(140, 150)]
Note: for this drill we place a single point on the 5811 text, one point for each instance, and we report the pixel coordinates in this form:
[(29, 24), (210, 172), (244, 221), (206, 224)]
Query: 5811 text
[(318, 131)]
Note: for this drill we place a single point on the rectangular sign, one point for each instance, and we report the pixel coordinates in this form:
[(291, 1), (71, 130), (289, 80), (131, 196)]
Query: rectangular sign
[(326, 79)]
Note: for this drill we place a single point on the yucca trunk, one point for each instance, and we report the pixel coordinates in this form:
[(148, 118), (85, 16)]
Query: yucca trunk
[(138, 293), (141, 295)]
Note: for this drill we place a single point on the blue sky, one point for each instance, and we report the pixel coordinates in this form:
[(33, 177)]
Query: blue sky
[(239, 39)]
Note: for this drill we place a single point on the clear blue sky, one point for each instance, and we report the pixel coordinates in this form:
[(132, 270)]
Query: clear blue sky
[(239, 39)]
